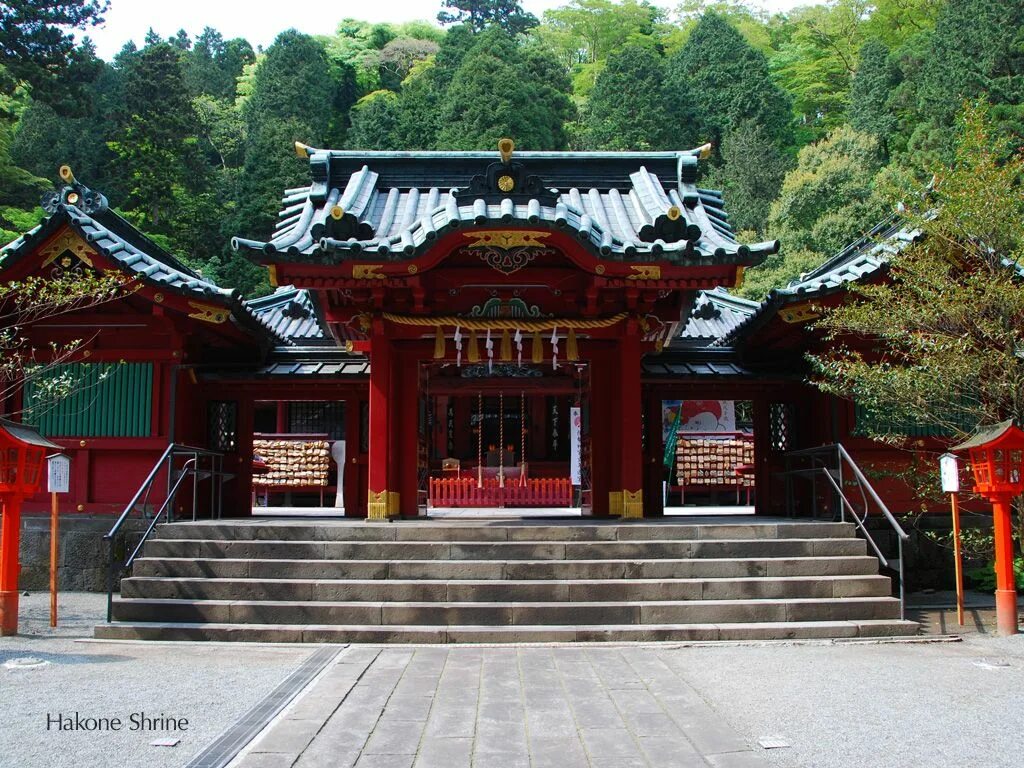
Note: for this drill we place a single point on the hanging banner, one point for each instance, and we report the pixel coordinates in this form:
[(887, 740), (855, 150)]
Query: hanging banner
[(673, 437), (698, 416), (575, 444)]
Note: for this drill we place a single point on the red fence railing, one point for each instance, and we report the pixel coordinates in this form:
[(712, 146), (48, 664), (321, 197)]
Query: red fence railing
[(535, 492)]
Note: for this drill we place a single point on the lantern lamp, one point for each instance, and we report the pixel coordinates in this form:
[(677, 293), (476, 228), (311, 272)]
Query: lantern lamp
[(997, 462), (22, 457)]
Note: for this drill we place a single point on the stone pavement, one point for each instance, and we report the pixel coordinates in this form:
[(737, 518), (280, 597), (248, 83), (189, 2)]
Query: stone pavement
[(436, 707)]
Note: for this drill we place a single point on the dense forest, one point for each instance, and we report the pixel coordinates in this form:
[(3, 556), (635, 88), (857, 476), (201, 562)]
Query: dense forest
[(820, 118)]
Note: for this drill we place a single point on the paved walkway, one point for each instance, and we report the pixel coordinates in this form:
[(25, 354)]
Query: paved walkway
[(434, 707)]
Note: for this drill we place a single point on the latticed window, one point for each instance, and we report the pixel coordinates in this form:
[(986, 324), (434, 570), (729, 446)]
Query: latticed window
[(222, 421), (314, 417), (780, 426)]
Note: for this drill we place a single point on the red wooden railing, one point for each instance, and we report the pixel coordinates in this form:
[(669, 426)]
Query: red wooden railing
[(535, 492)]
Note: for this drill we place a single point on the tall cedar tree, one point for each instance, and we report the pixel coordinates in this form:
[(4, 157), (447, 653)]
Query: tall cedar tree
[(37, 47), (750, 176), (633, 107), (157, 150), (729, 82), (481, 14), (977, 50), (214, 64), (292, 100), (493, 95), (375, 122), (872, 86)]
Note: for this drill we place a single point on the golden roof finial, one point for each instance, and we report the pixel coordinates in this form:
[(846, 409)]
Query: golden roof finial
[(704, 151), (66, 175), (337, 212), (673, 213), (506, 147), (302, 150)]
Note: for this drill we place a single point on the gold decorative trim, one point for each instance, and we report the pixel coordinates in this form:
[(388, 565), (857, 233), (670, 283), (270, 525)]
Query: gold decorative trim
[(599, 269), (272, 275), (302, 150), (673, 213), (368, 272), (506, 238), (382, 505), (615, 503), (68, 241), (158, 298), (633, 504), (506, 147), (506, 183), (799, 313), (208, 313), (644, 272), (337, 213), (413, 269), (740, 274)]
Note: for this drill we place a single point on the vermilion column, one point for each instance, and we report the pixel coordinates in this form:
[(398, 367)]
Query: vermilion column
[(631, 407), (379, 499), (405, 439), (10, 534), (1006, 588)]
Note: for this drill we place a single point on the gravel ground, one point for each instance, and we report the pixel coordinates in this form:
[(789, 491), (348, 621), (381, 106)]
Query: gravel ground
[(211, 685), (879, 705)]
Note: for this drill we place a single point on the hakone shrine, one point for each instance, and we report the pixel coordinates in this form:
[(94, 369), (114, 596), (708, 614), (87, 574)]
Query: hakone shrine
[(470, 330)]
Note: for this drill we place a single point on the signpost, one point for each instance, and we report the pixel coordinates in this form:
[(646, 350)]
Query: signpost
[(949, 472), (58, 480)]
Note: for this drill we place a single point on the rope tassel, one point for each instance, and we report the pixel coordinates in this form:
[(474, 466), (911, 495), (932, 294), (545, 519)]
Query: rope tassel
[(519, 347), (572, 351), (554, 349), (458, 346), (489, 344), (439, 343), (474, 350), (538, 348)]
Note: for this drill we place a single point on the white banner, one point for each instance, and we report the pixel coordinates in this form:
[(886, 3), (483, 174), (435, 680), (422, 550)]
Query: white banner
[(575, 446)]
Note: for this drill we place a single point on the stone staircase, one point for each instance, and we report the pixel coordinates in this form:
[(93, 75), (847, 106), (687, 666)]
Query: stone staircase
[(504, 581)]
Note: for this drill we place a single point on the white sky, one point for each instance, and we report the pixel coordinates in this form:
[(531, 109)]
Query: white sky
[(260, 22)]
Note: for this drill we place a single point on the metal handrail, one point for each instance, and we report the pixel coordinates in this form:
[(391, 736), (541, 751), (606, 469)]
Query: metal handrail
[(841, 456), (189, 468)]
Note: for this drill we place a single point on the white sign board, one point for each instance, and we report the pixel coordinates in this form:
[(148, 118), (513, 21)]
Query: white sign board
[(949, 472), (575, 446), (58, 473)]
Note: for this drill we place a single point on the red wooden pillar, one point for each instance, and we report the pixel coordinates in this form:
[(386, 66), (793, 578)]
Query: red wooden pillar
[(379, 505), (243, 458), (602, 407), (405, 435), (354, 459), (10, 537), (767, 499), (630, 431)]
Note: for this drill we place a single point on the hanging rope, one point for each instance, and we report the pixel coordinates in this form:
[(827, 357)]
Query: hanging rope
[(497, 324), (501, 439), (522, 438), (479, 440)]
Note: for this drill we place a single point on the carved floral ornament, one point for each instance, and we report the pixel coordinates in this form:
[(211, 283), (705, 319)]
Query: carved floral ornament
[(508, 251)]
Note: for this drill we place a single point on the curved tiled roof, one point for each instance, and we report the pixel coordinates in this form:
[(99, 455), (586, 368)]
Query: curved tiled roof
[(291, 313), (624, 204), (860, 260), (88, 214), (715, 314)]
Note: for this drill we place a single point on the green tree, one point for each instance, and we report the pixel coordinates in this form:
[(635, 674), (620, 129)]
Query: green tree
[(946, 329), (493, 95), (292, 100), (37, 48), (480, 14), (632, 106), (213, 65), (729, 82), (157, 150), (375, 122), (750, 176), (872, 88), (977, 49)]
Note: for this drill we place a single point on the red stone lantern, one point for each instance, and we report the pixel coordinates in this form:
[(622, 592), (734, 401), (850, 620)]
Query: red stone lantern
[(22, 457), (997, 461)]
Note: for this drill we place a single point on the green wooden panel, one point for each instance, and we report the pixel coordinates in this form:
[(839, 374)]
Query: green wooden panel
[(108, 400)]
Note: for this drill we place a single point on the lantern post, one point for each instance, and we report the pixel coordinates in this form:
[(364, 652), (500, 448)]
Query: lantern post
[(997, 462), (22, 454)]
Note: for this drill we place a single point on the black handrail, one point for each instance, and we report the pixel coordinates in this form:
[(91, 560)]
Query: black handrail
[(190, 467), (838, 454)]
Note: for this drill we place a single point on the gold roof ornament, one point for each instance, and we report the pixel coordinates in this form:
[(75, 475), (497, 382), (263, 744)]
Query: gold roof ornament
[(506, 147), (66, 175), (302, 150), (337, 213), (704, 151), (674, 213)]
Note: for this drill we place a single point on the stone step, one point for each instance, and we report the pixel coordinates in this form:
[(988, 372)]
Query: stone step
[(525, 550), (506, 613), (611, 530), (299, 633), (504, 590), (238, 568)]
